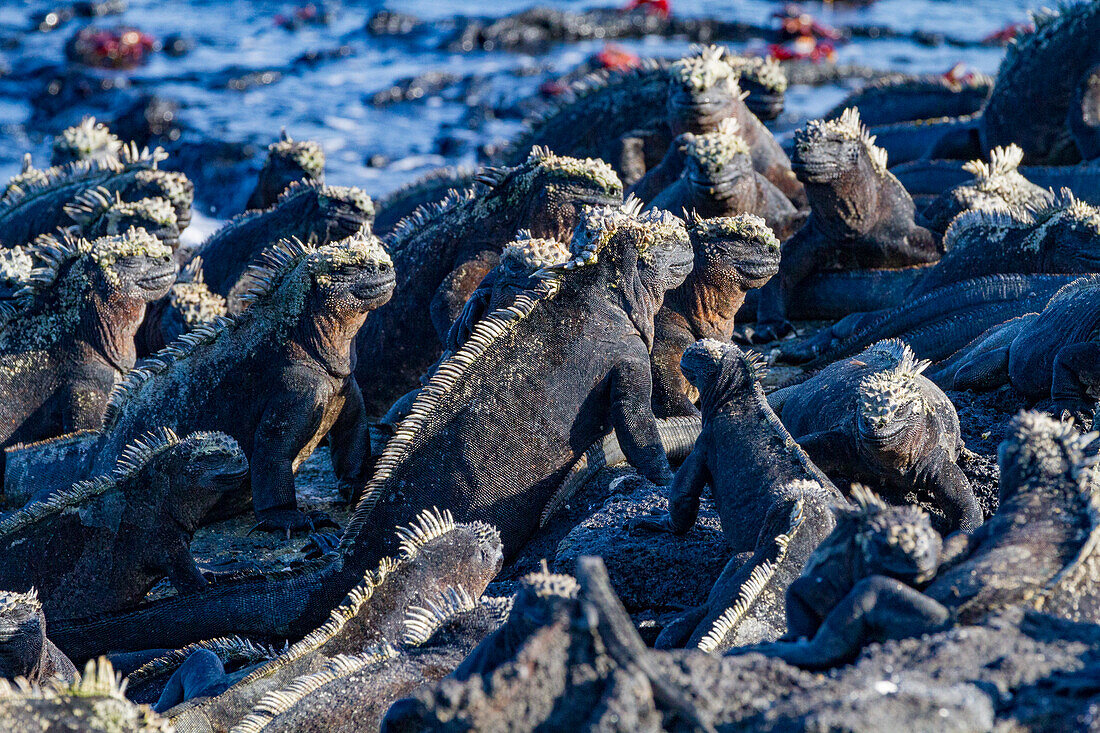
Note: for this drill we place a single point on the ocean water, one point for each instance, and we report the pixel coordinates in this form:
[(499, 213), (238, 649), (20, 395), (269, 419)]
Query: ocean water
[(379, 148)]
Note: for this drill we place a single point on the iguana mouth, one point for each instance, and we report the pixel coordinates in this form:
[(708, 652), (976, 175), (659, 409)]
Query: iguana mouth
[(758, 269), (231, 479), (380, 286), (158, 281)]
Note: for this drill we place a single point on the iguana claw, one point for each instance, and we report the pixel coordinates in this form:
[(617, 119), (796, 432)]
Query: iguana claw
[(290, 520)]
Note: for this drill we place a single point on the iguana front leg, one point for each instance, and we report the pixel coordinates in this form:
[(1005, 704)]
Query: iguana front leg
[(984, 371), (798, 260), (349, 442), (948, 484), (683, 501), (457, 287), (1076, 375), (877, 608), (633, 420), (183, 572)]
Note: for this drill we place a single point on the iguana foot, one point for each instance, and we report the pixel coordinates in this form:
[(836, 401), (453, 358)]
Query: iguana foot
[(655, 522), (319, 544), (290, 520), (1080, 416), (764, 333)]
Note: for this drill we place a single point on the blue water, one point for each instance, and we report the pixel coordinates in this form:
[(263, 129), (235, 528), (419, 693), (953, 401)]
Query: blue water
[(330, 102)]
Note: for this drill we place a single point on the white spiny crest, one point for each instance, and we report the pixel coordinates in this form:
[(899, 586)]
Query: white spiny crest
[(421, 622), (850, 126), (866, 499), (1002, 162), (1053, 445), (545, 584), (428, 525), (12, 600), (748, 227), (882, 394)]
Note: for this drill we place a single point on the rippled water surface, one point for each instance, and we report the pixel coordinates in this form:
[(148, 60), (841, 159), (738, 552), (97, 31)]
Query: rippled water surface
[(379, 148)]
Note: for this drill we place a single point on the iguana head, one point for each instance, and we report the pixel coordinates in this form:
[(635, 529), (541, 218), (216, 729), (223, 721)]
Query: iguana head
[(1067, 234), (895, 541), (891, 409), (98, 213), (825, 151), (207, 461), (90, 140), (288, 161), (353, 275), (764, 80), (734, 251), (550, 191), (341, 210), (171, 185), (22, 633), (703, 89), (719, 370), (1041, 453), (716, 160)]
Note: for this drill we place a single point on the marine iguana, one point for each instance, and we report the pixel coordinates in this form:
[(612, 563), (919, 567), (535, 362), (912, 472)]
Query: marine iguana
[(93, 703), (307, 303), (27, 211), (1037, 551), (188, 305), (997, 183), (732, 256), (906, 97), (311, 212), (431, 188), (860, 215), (69, 336), (24, 649), (876, 419), (102, 544), (1041, 70), (288, 161), (89, 140), (747, 480), (27, 177), (630, 118), (718, 179), (1053, 355), (441, 252), (392, 605), (99, 213)]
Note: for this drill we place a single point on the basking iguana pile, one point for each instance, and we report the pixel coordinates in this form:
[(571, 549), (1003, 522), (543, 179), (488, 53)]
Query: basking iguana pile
[(68, 334), (288, 161), (442, 252), (860, 216)]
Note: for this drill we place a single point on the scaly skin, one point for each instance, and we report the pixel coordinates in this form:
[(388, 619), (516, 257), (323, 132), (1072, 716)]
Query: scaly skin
[(102, 544), (38, 207), (905, 97), (90, 140), (860, 216), (98, 213), (1084, 116), (876, 419), (391, 606), (994, 184), (630, 118), (1037, 551), (1052, 355), (288, 161), (431, 188), (311, 212), (307, 304), (92, 704), (732, 256), (69, 336), (24, 649), (743, 452), (442, 252), (718, 179)]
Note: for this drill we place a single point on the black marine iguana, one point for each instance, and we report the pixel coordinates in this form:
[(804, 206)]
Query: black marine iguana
[(24, 649), (27, 211), (288, 161), (896, 98), (307, 303), (1037, 551), (431, 188), (630, 118), (1054, 354), (391, 605), (718, 179), (311, 212), (89, 140), (860, 215), (732, 256), (876, 419), (441, 253), (69, 336), (102, 544), (100, 213)]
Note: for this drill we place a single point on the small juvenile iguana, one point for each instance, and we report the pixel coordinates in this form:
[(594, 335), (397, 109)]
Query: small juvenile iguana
[(103, 543)]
